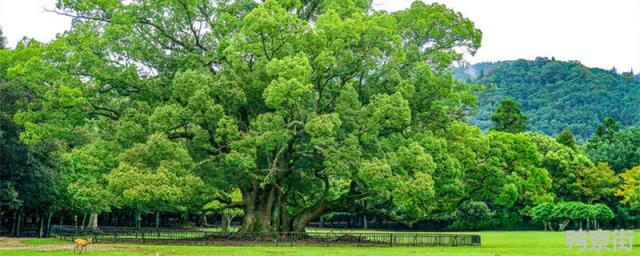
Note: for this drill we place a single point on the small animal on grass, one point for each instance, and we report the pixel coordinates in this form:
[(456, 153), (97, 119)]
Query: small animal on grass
[(82, 244)]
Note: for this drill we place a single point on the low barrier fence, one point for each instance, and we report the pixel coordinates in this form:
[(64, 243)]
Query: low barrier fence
[(185, 236)]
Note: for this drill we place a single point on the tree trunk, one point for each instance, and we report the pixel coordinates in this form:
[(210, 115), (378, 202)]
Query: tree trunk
[(49, 223), (14, 223), (41, 231), (300, 222), (137, 219), (588, 224), (226, 220), (114, 219), (350, 225), (265, 206), (364, 222), (18, 224), (258, 209), (286, 223), (84, 218), (225, 224), (260, 215), (93, 221), (157, 219), (205, 221), (563, 225)]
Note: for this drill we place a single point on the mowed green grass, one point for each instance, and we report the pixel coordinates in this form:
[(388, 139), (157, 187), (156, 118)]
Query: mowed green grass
[(493, 243)]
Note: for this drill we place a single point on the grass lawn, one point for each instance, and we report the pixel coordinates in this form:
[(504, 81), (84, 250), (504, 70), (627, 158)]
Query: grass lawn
[(493, 243)]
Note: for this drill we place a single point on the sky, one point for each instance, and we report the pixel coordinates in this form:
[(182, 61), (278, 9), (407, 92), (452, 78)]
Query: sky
[(598, 33)]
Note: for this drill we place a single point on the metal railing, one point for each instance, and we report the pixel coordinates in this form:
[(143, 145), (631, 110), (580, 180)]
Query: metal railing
[(184, 236)]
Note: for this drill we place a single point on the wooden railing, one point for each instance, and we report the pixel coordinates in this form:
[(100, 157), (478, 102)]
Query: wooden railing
[(190, 236)]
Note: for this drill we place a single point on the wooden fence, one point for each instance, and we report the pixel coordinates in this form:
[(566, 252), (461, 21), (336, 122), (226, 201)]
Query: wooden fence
[(190, 236)]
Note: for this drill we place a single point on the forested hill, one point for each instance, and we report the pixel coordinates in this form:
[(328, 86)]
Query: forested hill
[(555, 94)]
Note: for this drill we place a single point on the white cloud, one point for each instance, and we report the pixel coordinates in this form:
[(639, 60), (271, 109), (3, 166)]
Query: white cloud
[(598, 33), (29, 18)]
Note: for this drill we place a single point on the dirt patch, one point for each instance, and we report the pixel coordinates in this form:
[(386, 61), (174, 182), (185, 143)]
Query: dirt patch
[(9, 242), (12, 244)]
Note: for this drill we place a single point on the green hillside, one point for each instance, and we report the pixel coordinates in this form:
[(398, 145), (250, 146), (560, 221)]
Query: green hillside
[(555, 94)]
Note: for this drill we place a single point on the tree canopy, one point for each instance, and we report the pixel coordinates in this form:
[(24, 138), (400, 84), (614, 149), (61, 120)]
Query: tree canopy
[(508, 117), (618, 148), (566, 138), (555, 95), (306, 109), (281, 112)]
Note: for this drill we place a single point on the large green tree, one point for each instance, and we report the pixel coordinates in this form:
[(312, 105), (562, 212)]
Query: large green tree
[(508, 117), (575, 176), (154, 176), (620, 149), (83, 172), (630, 188), (306, 107), (28, 173), (566, 138)]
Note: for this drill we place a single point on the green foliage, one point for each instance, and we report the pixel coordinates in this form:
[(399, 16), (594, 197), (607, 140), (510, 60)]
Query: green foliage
[(607, 129), (566, 138), (555, 94), (154, 176), (279, 112), (543, 213), (508, 117), (572, 211), (575, 177), (302, 119), (453, 31), (629, 189), (28, 173), (619, 149), (470, 214), (602, 212)]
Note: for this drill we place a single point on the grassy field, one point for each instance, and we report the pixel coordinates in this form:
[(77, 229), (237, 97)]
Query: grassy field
[(493, 243)]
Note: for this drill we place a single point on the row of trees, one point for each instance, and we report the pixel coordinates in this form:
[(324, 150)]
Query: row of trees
[(280, 112), (565, 212), (609, 146), (556, 94)]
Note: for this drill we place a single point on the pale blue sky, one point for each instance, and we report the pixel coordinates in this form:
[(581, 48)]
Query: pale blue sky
[(598, 33)]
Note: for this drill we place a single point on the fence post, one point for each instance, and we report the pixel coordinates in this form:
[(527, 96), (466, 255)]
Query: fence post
[(391, 239), (359, 239)]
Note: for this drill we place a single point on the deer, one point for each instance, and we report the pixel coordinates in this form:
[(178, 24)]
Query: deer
[(82, 244)]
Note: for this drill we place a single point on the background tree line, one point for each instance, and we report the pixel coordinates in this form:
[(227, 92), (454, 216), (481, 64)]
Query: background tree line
[(555, 95)]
